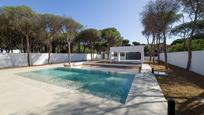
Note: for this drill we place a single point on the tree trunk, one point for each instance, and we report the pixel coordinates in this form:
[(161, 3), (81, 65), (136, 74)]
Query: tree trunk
[(184, 45), (84, 49), (148, 44), (22, 46), (153, 53), (71, 47), (7, 51), (153, 49), (190, 40), (69, 52), (28, 50), (165, 51), (49, 53), (79, 49), (158, 48), (189, 54), (91, 53), (109, 52), (96, 51)]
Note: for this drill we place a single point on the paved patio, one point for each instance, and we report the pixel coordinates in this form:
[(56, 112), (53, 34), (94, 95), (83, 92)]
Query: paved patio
[(24, 96)]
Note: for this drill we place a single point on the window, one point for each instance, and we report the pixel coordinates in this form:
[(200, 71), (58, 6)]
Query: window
[(115, 54), (122, 54), (133, 56)]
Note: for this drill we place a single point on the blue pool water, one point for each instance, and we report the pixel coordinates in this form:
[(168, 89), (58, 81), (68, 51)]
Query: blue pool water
[(114, 86)]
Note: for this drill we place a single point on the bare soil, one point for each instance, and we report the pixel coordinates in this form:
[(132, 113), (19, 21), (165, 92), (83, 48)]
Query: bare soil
[(185, 87)]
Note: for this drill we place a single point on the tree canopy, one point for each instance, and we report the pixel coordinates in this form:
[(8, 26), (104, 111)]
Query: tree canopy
[(157, 18), (111, 36), (125, 42), (28, 31)]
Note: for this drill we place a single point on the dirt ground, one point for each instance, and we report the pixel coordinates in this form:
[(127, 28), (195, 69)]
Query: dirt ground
[(186, 88)]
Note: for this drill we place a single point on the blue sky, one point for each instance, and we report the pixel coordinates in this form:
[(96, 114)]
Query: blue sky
[(121, 14)]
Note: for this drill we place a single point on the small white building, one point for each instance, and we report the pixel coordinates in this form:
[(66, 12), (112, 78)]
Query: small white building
[(134, 54)]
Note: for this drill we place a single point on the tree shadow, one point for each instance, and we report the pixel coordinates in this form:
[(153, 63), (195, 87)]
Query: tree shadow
[(186, 87), (138, 102), (100, 107), (39, 58), (192, 106)]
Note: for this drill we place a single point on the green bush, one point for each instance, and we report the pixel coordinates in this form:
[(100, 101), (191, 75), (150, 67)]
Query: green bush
[(197, 44), (177, 47)]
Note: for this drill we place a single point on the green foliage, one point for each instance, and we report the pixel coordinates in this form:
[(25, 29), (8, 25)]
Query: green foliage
[(125, 42), (177, 47), (89, 35), (20, 17), (187, 27), (178, 41), (194, 7), (70, 28), (100, 46), (111, 37), (198, 36), (197, 44), (51, 24), (136, 43), (146, 48), (180, 45), (89, 38), (159, 15), (22, 28), (20, 24)]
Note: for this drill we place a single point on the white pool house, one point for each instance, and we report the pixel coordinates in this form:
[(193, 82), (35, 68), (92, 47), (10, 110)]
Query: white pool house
[(133, 54)]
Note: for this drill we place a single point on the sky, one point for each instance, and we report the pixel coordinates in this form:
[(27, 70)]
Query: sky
[(121, 14)]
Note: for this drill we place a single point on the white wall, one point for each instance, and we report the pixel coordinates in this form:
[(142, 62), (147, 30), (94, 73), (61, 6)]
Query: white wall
[(20, 59), (180, 59)]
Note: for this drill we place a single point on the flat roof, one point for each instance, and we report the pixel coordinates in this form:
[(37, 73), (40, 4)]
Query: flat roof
[(139, 48), (128, 46)]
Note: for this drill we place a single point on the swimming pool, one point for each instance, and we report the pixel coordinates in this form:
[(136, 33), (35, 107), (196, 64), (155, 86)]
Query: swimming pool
[(114, 86)]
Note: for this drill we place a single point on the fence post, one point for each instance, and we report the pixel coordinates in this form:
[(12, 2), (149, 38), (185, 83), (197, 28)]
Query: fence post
[(140, 69), (152, 70), (171, 107)]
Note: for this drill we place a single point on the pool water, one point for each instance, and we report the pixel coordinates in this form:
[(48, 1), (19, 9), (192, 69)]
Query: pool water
[(114, 86)]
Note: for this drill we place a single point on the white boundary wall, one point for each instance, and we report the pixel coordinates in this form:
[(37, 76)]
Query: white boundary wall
[(20, 59), (180, 59)]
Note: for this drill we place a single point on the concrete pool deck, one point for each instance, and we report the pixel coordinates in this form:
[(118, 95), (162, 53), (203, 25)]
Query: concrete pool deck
[(24, 96)]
